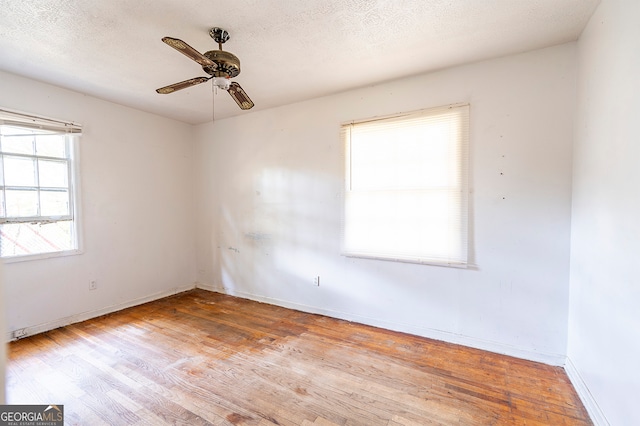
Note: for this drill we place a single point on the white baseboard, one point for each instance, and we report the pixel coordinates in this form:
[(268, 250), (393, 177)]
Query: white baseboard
[(501, 348), (41, 328), (211, 287), (596, 414)]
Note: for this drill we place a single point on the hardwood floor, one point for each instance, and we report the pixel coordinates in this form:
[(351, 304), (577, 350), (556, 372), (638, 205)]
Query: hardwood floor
[(203, 358)]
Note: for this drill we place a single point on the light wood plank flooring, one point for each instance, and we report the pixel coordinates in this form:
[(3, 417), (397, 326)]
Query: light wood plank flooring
[(202, 358)]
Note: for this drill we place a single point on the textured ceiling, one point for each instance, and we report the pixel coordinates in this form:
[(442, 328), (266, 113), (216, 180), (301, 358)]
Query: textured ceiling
[(290, 50)]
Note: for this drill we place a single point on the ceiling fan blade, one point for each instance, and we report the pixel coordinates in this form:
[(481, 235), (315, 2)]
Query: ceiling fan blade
[(240, 96), (182, 85), (188, 51)]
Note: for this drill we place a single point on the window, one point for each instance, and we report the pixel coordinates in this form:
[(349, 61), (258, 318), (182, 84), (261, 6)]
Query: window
[(406, 187), (37, 191)]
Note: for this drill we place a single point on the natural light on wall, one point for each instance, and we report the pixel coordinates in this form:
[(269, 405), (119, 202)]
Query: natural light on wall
[(406, 187)]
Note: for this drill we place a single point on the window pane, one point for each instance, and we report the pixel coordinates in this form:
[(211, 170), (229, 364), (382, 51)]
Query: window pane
[(27, 238), (53, 174), (18, 144), (21, 203), (54, 203), (51, 146), (12, 130), (405, 224), (19, 171), (405, 158)]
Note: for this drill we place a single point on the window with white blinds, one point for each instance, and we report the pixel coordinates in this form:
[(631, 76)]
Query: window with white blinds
[(406, 190), (38, 214)]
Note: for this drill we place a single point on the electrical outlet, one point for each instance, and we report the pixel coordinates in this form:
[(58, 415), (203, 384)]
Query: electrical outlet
[(93, 284), (316, 280)]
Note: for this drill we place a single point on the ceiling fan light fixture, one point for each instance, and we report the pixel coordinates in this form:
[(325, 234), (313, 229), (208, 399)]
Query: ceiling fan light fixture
[(222, 82)]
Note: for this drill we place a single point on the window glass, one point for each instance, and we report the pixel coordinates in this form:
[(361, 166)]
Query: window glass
[(19, 171), (51, 146), (21, 203), (18, 144), (54, 203), (53, 174), (20, 239)]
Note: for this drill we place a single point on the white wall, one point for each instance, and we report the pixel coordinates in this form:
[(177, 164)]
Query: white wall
[(137, 211), (604, 326), (269, 208)]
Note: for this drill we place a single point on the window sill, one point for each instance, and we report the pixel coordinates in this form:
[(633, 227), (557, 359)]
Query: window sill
[(443, 263), (40, 256)]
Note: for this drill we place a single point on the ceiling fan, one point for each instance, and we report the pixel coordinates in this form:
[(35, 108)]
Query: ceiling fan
[(222, 66)]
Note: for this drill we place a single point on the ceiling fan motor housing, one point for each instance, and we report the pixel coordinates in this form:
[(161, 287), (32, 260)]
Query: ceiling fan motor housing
[(227, 64)]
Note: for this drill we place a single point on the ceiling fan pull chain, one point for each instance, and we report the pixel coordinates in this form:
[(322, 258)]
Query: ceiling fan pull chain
[(213, 102)]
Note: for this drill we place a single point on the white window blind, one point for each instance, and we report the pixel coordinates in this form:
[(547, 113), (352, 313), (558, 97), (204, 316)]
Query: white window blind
[(38, 214), (406, 191)]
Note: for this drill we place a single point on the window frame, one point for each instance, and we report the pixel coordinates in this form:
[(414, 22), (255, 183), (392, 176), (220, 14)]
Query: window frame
[(463, 261), (72, 132)]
